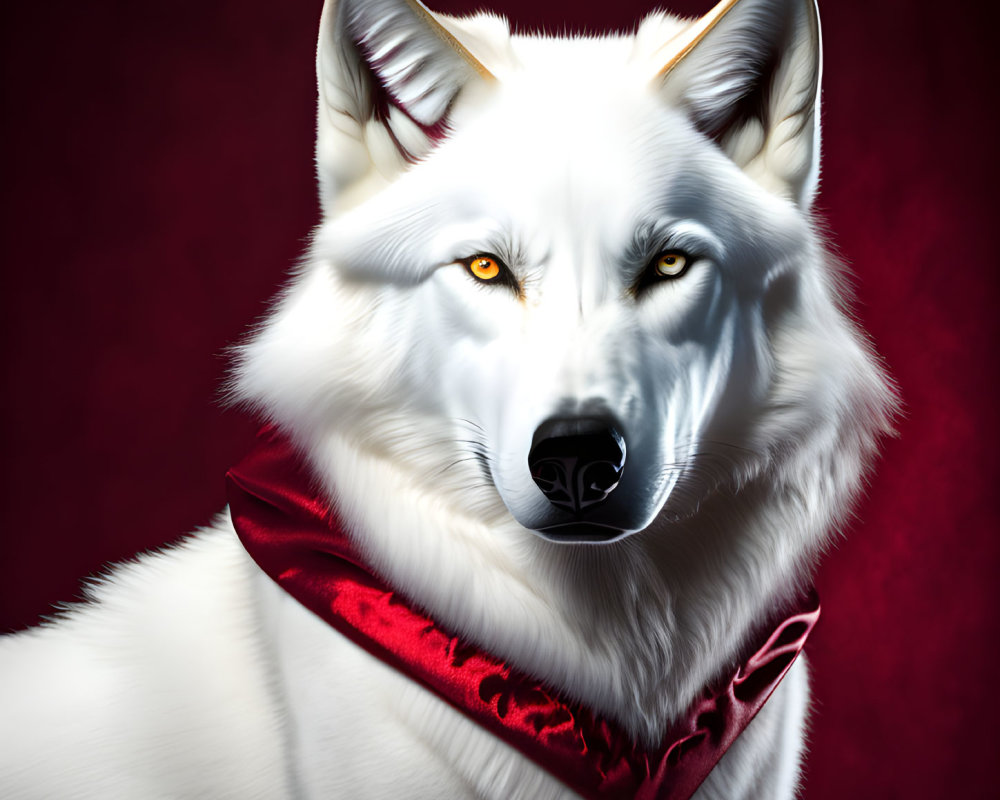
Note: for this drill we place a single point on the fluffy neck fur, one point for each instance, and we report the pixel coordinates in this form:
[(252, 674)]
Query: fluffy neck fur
[(635, 629)]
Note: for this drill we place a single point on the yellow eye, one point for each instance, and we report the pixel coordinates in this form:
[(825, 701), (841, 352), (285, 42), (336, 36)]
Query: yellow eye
[(484, 268), (671, 264)]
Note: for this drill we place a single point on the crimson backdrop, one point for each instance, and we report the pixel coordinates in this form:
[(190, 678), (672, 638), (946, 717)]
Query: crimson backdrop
[(157, 184)]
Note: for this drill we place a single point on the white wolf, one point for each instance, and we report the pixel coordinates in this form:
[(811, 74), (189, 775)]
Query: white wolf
[(535, 252)]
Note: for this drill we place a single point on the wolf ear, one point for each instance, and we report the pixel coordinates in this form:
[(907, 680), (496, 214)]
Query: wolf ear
[(748, 75), (388, 72)]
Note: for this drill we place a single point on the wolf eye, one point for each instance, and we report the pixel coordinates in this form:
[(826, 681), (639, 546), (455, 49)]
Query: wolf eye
[(671, 264), (665, 266), (487, 268), (483, 268)]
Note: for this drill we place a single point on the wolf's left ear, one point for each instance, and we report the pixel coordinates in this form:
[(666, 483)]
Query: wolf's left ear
[(388, 72), (748, 75)]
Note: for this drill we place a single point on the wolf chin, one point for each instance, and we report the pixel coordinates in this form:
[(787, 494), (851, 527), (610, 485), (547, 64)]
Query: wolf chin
[(570, 357)]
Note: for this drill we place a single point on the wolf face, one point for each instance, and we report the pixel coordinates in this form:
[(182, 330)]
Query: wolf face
[(577, 277)]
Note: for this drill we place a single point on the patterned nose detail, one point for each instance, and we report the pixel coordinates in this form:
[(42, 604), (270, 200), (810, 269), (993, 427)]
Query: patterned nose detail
[(576, 461)]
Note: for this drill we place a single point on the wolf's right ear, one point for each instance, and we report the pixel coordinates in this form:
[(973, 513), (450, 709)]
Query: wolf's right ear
[(388, 72)]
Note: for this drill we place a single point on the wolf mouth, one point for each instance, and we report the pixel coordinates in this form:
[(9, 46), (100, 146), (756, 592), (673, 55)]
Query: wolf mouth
[(580, 532)]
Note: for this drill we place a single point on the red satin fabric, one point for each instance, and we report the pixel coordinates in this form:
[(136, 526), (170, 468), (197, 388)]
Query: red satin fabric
[(293, 534)]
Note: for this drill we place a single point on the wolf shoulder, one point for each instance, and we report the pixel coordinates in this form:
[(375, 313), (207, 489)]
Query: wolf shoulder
[(156, 688)]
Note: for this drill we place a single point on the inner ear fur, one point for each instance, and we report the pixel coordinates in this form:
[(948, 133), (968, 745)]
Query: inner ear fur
[(388, 72), (748, 76)]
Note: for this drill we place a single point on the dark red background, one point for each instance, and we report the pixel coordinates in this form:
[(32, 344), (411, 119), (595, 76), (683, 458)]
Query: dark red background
[(157, 184)]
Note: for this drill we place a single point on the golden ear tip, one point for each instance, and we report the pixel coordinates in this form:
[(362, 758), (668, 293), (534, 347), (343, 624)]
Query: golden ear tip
[(689, 38)]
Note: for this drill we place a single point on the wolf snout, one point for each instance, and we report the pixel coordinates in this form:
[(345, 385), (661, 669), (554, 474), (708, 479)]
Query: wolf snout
[(577, 461)]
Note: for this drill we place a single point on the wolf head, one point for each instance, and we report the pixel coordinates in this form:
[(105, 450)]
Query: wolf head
[(573, 282)]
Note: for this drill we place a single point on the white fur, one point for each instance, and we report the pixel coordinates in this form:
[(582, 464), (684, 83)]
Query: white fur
[(750, 400)]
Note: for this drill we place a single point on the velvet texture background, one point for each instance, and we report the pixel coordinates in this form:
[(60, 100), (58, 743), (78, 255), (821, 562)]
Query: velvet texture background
[(157, 185)]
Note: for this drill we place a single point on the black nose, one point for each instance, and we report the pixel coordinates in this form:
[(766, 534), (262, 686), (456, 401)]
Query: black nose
[(576, 461)]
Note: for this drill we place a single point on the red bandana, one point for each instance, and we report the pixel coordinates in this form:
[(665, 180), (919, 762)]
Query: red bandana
[(294, 535)]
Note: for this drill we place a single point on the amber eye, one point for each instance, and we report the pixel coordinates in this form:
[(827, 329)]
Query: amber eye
[(670, 264), (489, 269), (484, 268)]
